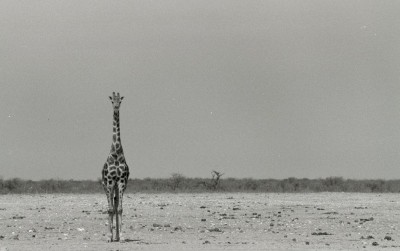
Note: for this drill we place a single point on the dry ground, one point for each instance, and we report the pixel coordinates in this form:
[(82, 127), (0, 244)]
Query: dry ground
[(203, 221)]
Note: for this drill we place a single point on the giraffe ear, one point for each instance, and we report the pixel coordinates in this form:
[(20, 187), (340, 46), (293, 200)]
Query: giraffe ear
[(122, 98)]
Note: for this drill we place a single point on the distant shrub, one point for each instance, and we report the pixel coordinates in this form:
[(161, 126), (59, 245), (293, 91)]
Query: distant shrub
[(176, 181), (334, 184)]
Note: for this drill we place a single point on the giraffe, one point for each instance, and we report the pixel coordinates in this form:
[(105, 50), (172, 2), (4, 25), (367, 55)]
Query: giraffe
[(115, 174)]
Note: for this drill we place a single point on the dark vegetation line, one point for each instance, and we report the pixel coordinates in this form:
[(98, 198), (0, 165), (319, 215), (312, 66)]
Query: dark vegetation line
[(180, 183)]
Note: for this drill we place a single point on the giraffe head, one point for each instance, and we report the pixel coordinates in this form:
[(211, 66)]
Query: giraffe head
[(116, 101)]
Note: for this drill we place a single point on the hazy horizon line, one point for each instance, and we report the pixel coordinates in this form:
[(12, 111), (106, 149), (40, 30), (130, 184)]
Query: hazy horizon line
[(206, 178)]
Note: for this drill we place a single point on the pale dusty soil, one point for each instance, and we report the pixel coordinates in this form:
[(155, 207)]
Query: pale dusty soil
[(331, 221)]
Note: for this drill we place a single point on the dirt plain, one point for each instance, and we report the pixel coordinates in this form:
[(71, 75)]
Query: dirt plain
[(207, 221)]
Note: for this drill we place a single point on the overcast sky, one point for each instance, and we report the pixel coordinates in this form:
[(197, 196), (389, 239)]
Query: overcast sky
[(261, 89)]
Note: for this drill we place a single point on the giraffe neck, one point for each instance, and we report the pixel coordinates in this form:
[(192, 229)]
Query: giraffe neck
[(116, 147)]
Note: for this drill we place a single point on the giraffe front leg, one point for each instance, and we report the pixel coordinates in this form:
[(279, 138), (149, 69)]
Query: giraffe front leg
[(119, 213), (110, 214), (110, 224), (118, 227), (117, 222)]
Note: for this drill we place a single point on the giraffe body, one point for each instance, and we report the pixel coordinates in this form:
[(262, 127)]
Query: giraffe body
[(115, 174)]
